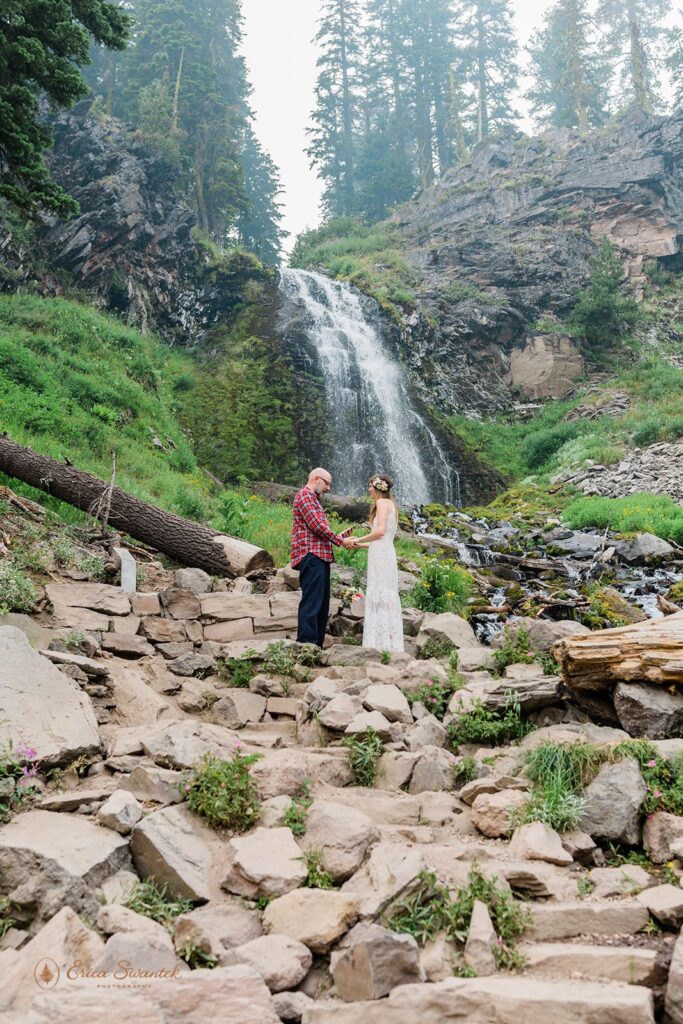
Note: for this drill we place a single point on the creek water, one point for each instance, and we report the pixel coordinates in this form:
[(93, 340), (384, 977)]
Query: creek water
[(374, 425)]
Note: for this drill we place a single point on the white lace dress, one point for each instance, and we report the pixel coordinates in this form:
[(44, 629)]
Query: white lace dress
[(383, 627)]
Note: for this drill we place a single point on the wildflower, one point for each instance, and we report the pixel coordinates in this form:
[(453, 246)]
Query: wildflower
[(656, 794), (651, 764)]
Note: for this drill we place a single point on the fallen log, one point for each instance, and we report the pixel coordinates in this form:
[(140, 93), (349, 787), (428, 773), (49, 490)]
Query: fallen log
[(185, 541), (649, 651)]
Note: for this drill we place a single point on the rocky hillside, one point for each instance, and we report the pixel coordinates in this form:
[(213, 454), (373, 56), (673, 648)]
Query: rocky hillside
[(264, 832), (492, 256)]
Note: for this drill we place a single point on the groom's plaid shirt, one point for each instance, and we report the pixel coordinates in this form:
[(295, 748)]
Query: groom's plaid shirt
[(311, 532)]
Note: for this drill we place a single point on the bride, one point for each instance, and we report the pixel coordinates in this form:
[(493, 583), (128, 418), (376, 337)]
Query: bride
[(383, 627)]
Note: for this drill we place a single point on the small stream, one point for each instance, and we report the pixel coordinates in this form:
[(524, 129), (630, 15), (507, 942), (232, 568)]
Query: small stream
[(499, 551)]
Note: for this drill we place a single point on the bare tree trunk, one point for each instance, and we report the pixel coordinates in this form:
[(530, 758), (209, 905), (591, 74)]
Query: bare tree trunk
[(187, 542), (649, 651)]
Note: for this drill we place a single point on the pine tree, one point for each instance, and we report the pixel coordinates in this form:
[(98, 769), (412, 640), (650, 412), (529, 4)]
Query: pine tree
[(674, 63), (185, 88), (569, 73), (488, 51), (633, 30), (335, 118), (602, 313), (259, 226), (43, 45)]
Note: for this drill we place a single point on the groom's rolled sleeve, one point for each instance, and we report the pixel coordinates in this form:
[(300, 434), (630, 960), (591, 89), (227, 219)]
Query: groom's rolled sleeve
[(316, 520)]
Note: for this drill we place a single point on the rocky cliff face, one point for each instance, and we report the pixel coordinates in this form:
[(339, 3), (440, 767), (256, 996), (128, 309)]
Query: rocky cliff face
[(132, 248), (504, 241)]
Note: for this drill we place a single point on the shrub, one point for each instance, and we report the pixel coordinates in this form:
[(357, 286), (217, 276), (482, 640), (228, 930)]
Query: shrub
[(153, 901), (297, 812), (17, 591), (224, 792), (430, 908), (280, 660), (436, 647), (435, 695), (18, 768), (365, 750), (317, 877), (513, 652), (233, 512), (443, 587), (602, 313), (480, 725), (239, 671), (541, 447)]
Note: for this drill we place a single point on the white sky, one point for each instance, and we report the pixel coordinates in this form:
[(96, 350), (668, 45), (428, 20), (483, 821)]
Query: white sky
[(281, 60)]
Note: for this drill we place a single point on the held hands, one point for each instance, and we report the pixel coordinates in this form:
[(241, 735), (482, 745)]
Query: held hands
[(350, 542)]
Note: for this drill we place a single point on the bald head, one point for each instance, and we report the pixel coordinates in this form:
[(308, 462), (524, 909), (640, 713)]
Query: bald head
[(320, 481)]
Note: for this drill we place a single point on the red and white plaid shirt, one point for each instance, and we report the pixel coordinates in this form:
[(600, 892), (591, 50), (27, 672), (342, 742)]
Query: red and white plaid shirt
[(311, 532)]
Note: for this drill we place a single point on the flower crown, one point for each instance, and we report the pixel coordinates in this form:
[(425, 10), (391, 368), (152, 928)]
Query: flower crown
[(379, 485)]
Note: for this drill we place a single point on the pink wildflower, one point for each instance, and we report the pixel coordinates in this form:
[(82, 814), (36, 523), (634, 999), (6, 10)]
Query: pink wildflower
[(651, 764), (656, 794)]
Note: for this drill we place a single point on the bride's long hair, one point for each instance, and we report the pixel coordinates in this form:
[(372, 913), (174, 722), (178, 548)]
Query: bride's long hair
[(385, 491)]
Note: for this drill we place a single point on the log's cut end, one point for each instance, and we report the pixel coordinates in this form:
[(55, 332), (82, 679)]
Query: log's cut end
[(649, 651), (242, 557)]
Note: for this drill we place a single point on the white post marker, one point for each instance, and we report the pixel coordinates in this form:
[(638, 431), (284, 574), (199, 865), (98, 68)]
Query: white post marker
[(128, 571)]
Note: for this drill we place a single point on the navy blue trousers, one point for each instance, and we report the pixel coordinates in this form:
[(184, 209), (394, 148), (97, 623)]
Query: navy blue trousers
[(314, 609)]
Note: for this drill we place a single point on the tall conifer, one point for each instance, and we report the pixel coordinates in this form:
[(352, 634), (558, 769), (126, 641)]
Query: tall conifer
[(633, 31)]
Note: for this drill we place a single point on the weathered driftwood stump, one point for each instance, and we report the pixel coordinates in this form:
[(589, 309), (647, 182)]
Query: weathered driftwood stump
[(187, 542), (650, 651)]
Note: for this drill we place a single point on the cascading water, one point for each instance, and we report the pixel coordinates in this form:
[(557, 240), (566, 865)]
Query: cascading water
[(374, 425)]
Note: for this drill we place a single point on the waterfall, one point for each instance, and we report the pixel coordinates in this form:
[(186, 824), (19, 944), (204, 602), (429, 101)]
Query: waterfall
[(374, 426)]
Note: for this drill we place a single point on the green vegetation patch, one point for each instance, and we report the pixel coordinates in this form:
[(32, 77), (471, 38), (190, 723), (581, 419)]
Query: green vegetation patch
[(223, 792), (640, 513)]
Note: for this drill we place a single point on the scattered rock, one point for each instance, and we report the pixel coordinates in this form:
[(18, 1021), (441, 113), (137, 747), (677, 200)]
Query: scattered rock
[(491, 812), (342, 836), (121, 811), (644, 549), (281, 961), (389, 871), (665, 902), (182, 744), (537, 841), (613, 802), (237, 707), (446, 627), (195, 580), (389, 701), (481, 941), (372, 961), (174, 847), (217, 927), (661, 834), (650, 711), (316, 917), (267, 862), (563, 920), (674, 988), (433, 771)]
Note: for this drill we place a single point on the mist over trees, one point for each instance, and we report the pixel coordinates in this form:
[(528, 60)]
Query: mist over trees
[(405, 88)]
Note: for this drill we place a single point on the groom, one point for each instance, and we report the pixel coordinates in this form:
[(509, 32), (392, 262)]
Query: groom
[(312, 553)]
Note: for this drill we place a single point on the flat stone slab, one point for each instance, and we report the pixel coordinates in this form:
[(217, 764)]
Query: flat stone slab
[(175, 847), (98, 597), (628, 964), (89, 665), (564, 920), (42, 706)]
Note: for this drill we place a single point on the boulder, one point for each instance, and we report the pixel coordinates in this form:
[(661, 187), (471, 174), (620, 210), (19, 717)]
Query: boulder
[(217, 927), (226, 995), (492, 812), (160, 785), (267, 862), (237, 707), (613, 802), (645, 549), (674, 989), (180, 604), (650, 711), (63, 940), (322, 690), (665, 903), (223, 607), (282, 961), (99, 597), (195, 580), (42, 706), (369, 720), (662, 836), (163, 631), (624, 881), (52, 860), (145, 950), (434, 771), (389, 871), (183, 744), (389, 701), (495, 1000), (274, 811), (192, 664), (284, 770), (290, 1006), (372, 960), (316, 917), (113, 918), (121, 812), (542, 633), (447, 627), (481, 941), (342, 836), (126, 646), (428, 732), (537, 841), (338, 713), (173, 846)]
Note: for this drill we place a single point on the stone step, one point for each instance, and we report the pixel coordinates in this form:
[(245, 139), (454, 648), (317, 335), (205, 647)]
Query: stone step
[(568, 919), (631, 964)]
